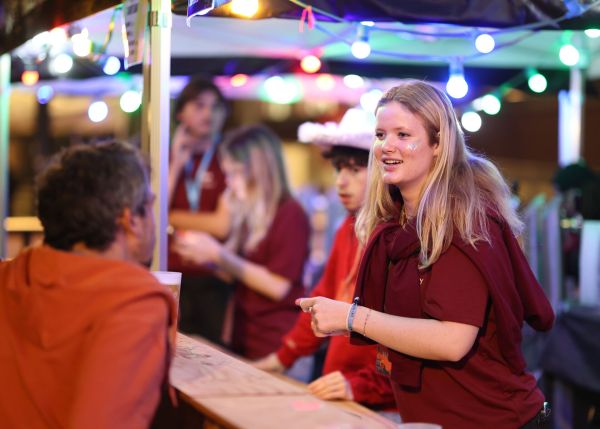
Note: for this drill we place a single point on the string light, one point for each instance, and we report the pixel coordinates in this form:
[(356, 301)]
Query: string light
[(98, 111), (536, 81), (30, 77), (238, 80), (245, 8), (353, 81), (130, 101), (491, 104), (369, 100), (457, 86), (57, 36), (592, 33), (111, 66), (485, 43), (61, 64), (569, 55), (325, 82), (45, 94), (310, 64), (471, 121), (282, 91), (82, 45), (361, 48)]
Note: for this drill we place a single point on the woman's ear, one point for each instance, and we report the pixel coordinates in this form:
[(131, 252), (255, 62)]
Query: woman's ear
[(436, 145), (126, 220)]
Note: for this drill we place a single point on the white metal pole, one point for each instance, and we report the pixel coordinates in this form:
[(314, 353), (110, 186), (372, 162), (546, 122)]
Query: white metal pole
[(4, 144), (158, 111)]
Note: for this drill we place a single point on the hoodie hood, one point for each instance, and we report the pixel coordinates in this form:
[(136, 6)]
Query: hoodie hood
[(50, 296)]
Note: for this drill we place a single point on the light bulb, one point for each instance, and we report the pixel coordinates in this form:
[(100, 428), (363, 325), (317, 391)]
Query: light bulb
[(569, 55), (238, 80), (471, 121), (361, 48), (82, 46), (98, 111), (537, 82), (457, 86), (45, 94), (490, 104), (30, 77), (130, 101), (111, 66), (485, 43), (325, 82), (369, 100), (61, 64), (353, 81), (310, 64), (245, 8)]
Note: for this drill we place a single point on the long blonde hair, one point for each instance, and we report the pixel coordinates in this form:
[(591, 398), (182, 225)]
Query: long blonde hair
[(459, 191), (259, 150)]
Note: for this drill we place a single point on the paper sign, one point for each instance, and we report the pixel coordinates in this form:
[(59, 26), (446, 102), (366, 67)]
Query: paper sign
[(135, 20)]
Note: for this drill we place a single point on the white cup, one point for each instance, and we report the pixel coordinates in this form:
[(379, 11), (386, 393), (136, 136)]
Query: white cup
[(172, 280), (419, 426)]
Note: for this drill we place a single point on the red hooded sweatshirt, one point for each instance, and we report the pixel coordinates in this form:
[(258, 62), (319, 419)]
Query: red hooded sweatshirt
[(84, 342)]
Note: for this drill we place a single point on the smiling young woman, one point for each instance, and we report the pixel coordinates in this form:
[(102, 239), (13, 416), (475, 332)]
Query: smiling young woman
[(444, 293)]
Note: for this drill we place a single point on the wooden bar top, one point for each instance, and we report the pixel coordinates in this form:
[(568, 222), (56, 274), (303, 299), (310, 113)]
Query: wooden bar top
[(234, 395)]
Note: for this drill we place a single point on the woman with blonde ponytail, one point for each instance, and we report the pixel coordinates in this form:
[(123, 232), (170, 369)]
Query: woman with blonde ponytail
[(443, 287), (267, 247)]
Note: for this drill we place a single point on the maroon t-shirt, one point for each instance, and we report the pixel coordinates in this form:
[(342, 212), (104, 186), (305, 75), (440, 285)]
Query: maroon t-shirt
[(454, 290), (213, 185), (259, 322)]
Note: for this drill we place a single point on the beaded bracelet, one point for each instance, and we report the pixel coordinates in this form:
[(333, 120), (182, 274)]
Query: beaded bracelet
[(351, 314)]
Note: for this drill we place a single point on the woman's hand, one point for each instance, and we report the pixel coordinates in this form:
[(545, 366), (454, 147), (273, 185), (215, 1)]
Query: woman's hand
[(269, 363), (328, 317), (197, 247), (331, 386), (182, 146)]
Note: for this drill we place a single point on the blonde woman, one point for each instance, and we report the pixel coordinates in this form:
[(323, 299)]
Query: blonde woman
[(267, 247), (443, 287)]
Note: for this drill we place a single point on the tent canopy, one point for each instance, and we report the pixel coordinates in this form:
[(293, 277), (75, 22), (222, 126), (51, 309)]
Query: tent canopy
[(20, 20)]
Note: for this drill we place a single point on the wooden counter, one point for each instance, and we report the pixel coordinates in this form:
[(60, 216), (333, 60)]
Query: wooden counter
[(234, 395)]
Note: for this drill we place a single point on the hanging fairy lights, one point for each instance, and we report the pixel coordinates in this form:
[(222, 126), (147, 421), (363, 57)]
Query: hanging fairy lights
[(97, 111), (361, 48), (457, 86), (485, 43), (310, 64), (536, 81)]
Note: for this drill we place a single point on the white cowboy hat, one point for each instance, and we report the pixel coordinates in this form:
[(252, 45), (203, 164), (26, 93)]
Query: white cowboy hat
[(356, 129)]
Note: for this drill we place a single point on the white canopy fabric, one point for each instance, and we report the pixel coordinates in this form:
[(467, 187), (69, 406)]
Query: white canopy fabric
[(281, 38)]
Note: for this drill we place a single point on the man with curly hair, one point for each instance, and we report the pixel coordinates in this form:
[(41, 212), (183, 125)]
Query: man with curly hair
[(84, 325)]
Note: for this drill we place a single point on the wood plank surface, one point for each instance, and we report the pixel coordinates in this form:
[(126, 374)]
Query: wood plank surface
[(235, 395)]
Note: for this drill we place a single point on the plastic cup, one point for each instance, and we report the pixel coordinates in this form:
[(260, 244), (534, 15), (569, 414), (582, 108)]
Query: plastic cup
[(172, 280)]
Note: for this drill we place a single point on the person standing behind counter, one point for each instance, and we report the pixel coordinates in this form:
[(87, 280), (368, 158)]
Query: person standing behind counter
[(443, 286), (84, 325), (196, 184), (349, 371), (268, 245)]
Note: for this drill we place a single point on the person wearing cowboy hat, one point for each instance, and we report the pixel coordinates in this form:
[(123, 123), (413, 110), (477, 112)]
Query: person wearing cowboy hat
[(349, 371)]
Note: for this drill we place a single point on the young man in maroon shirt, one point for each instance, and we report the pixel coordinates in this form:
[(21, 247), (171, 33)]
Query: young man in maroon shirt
[(349, 371)]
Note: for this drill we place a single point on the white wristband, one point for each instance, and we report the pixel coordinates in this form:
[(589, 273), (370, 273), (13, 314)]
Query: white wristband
[(351, 314)]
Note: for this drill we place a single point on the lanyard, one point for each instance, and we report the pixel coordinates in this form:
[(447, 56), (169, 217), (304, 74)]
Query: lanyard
[(193, 184)]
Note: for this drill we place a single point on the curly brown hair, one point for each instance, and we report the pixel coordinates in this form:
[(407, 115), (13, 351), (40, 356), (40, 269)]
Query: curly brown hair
[(84, 190)]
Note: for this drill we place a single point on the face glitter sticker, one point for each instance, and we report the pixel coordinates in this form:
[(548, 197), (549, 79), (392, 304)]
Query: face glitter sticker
[(412, 146)]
